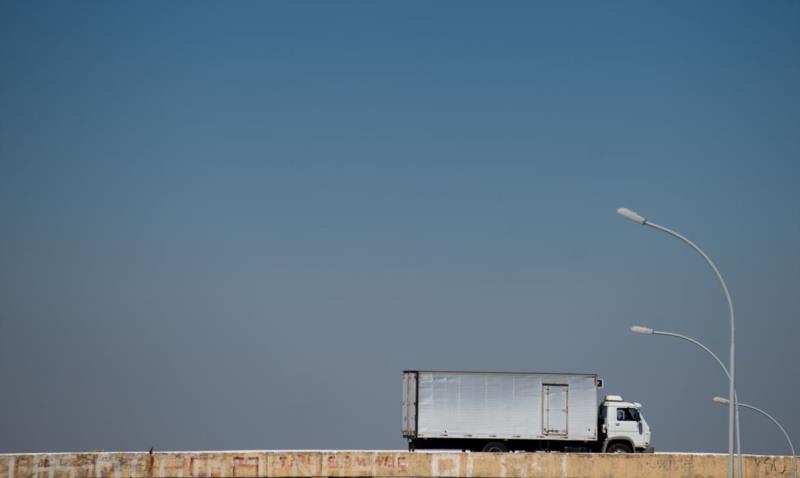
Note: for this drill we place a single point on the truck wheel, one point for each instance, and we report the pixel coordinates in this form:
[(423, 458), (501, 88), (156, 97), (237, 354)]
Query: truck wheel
[(494, 447), (619, 447)]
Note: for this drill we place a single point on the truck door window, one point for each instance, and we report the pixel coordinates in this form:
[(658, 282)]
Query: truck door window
[(627, 415)]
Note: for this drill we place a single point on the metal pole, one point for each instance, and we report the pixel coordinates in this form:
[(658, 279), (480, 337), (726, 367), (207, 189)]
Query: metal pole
[(633, 216), (732, 381), (727, 374)]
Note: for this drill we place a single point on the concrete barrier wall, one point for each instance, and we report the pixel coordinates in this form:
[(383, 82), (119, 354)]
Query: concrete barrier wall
[(297, 464)]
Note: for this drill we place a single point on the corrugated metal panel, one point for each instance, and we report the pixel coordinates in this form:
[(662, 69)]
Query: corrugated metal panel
[(409, 404), (501, 405)]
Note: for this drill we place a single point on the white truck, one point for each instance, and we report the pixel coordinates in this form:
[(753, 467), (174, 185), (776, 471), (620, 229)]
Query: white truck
[(504, 411)]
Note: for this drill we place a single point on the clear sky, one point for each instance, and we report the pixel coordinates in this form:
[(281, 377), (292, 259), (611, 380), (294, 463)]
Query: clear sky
[(232, 225)]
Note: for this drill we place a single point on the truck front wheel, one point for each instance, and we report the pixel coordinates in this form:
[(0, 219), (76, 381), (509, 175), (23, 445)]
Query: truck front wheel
[(619, 447), (495, 447)]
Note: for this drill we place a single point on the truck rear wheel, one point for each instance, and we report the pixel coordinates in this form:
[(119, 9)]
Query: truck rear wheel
[(495, 447), (619, 447)]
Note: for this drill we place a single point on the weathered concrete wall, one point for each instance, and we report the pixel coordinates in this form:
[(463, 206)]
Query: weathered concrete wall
[(381, 465)]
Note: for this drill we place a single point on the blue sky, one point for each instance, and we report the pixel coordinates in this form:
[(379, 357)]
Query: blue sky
[(232, 225)]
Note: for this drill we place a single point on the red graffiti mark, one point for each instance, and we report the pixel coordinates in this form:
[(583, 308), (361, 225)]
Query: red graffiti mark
[(248, 465), (332, 463), (388, 462), (385, 461), (283, 461)]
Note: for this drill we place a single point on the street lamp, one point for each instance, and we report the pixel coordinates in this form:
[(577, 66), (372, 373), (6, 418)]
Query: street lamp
[(725, 401), (638, 329), (638, 219)]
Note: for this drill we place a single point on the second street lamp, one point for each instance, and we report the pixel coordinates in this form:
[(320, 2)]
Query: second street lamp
[(638, 329), (638, 219)]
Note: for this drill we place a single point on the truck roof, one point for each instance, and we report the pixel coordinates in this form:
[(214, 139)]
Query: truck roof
[(499, 373), (622, 404)]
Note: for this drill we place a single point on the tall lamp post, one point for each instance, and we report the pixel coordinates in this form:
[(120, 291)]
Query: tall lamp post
[(638, 329), (632, 216), (725, 401)]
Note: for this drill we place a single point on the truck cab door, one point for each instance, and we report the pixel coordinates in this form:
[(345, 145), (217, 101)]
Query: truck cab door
[(624, 422)]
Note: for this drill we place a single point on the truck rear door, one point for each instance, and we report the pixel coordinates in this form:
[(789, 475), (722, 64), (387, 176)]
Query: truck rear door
[(410, 404), (554, 409)]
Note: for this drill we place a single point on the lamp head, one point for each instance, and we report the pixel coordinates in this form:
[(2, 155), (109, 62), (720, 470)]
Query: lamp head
[(631, 215), (723, 401), (638, 329)]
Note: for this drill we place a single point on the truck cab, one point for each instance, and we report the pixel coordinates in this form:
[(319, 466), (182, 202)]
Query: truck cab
[(622, 426)]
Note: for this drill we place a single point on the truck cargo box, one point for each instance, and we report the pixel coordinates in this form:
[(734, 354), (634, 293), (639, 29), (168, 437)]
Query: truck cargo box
[(503, 405)]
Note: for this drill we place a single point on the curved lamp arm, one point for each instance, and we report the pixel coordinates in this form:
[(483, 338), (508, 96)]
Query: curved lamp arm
[(725, 401)]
